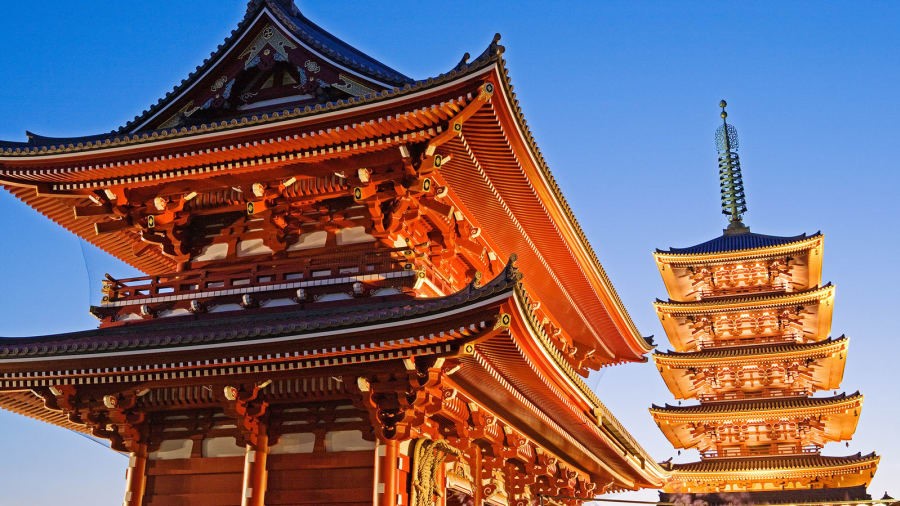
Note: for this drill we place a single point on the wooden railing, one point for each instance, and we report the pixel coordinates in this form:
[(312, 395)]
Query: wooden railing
[(779, 287), (261, 274), (761, 451), (764, 394), (788, 337)]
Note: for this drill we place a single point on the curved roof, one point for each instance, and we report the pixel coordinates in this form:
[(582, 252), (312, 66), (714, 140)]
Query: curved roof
[(792, 462), (758, 405), (738, 242), (242, 326), (750, 352), (746, 302)]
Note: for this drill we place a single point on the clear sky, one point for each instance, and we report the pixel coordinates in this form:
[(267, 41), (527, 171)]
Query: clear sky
[(622, 98)]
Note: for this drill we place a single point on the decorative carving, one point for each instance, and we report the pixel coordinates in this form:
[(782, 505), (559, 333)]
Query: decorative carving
[(428, 458), (243, 403)]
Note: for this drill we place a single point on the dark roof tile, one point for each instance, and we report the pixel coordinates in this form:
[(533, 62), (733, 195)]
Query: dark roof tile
[(738, 242)]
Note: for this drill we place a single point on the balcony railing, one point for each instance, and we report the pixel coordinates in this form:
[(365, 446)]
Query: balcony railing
[(777, 287), (763, 394), (263, 275), (761, 451), (788, 337)]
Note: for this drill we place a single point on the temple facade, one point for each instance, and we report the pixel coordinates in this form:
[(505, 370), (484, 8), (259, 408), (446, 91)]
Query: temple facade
[(750, 322), (361, 288)]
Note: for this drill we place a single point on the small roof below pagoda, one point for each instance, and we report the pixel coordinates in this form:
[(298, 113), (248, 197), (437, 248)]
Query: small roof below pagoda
[(738, 242)]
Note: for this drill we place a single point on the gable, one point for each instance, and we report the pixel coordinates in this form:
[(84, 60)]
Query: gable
[(274, 63)]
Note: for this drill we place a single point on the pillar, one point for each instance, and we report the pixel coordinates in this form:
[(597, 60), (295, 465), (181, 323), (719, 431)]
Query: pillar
[(390, 473), (477, 486), (136, 476), (255, 473)]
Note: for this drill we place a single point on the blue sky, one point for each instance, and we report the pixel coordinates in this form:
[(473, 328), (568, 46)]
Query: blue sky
[(622, 98)]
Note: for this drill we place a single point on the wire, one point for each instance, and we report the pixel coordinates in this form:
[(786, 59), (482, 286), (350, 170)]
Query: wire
[(97, 441)]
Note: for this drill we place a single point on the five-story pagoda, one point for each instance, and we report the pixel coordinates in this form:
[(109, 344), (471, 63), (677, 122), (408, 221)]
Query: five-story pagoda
[(749, 320)]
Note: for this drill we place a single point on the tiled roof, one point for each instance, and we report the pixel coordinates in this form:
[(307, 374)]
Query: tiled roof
[(755, 405), (246, 325), (791, 462), (732, 303), (751, 350), (737, 242)]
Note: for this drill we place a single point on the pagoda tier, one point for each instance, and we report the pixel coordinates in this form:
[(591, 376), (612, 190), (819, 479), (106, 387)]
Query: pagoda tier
[(745, 372), (742, 264), (790, 425), (800, 317), (782, 473), (749, 321)]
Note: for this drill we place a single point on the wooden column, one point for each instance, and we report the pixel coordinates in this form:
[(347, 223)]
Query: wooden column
[(136, 476), (477, 486), (255, 473), (390, 473)]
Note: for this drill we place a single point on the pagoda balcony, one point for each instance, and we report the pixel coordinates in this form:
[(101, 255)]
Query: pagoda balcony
[(761, 451), (325, 277), (763, 394), (781, 338), (764, 289)]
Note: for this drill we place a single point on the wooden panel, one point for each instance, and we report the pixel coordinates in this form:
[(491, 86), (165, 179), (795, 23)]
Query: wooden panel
[(195, 482), (345, 478)]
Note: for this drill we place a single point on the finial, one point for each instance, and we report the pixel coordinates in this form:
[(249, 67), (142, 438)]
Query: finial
[(731, 183)]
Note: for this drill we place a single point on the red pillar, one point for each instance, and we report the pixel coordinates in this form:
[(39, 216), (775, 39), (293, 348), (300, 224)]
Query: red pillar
[(255, 473), (136, 476), (390, 473), (478, 488)]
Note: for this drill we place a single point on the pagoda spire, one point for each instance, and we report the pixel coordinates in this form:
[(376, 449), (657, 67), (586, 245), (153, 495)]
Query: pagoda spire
[(731, 184)]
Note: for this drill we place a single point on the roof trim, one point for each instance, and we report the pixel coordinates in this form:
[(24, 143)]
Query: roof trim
[(756, 407), (750, 353), (745, 303)]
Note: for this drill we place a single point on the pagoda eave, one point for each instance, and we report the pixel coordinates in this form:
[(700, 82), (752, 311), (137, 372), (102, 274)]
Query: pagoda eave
[(686, 259), (834, 472), (824, 294)]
